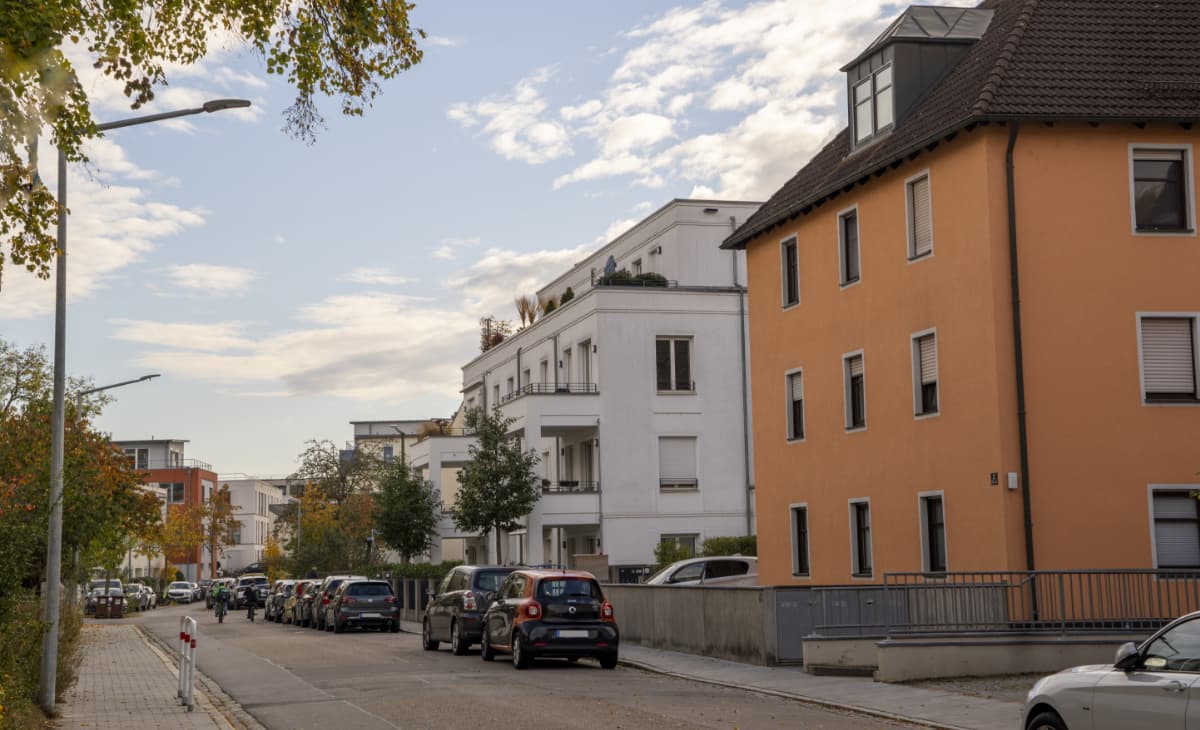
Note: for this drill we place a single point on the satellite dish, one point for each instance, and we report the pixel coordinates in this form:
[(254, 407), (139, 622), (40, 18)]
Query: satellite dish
[(610, 266)]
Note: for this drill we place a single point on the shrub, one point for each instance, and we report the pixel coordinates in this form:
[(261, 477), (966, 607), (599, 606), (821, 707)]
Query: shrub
[(668, 552), (420, 570), (650, 278), (567, 296), (549, 307), (21, 632), (620, 276), (737, 545)]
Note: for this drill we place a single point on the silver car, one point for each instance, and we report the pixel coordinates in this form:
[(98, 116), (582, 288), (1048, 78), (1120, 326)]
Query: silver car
[(723, 570), (1147, 686)]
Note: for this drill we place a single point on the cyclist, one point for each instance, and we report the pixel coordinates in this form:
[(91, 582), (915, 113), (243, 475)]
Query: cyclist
[(251, 594), (221, 601)]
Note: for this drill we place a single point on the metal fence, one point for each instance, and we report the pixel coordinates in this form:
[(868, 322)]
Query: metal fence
[(1056, 601)]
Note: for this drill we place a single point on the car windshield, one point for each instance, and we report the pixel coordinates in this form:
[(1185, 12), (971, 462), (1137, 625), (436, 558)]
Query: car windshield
[(489, 580), (181, 586), (551, 588), (369, 589)]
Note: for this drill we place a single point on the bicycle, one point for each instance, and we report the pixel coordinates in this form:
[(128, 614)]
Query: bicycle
[(221, 609)]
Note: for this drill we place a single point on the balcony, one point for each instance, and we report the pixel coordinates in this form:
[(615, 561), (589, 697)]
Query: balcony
[(569, 486), (541, 410), (144, 464), (552, 389), (569, 502)]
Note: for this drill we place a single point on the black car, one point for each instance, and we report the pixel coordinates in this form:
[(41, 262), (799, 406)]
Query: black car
[(544, 613), (455, 612), (364, 604)]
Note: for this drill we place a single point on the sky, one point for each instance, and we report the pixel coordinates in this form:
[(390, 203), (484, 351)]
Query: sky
[(283, 290)]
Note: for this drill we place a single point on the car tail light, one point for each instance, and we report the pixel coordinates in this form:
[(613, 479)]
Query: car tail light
[(606, 612), (469, 602), (531, 611), (324, 599), (347, 600), (390, 599)]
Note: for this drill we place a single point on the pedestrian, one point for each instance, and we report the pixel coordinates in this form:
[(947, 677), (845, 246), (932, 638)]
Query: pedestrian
[(312, 572)]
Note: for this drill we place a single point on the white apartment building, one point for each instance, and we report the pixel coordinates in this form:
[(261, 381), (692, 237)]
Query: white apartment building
[(251, 500), (635, 397)]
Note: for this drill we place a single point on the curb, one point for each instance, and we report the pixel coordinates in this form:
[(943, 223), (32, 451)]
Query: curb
[(812, 701), (229, 708)]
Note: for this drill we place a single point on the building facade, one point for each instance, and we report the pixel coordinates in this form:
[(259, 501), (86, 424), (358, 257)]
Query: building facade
[(251, 500), (634, 396), (973, 315)]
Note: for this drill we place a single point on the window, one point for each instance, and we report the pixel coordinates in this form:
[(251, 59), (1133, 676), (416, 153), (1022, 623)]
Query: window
[(860, 517), (856, 394), (920, 218), (1176, 529), (544, 371), (925, 374), (568, 464), (1169, 359), (495, 395), (139, 457), (585, 461), (389, 454), (175, 493), (677, 463), (1162, 190), (585, 362), (637, 267), (848, 247), (795, 401), (873, 109), (800, 540), (509, 387), (933, 537), (725, 568), (688, 543), (1178, 650), (673, 363), (566, 366), (525, 378), (791, 273)]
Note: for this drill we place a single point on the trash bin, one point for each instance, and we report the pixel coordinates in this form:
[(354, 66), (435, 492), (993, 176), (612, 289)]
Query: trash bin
[(116, 606), (101, 606)]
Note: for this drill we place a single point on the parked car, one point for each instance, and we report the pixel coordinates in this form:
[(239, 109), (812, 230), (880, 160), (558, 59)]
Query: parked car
[(261, 586), (548, 613), (137, 597), (251, 569), (273, 610), (227, 582), (1147, 685), (725, 570), (323, 595), (455, 612), (304, 604), (363, 604), (180, 592), (96, 588), (205, 586)]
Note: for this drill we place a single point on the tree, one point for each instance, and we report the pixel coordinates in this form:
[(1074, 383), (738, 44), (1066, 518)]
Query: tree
[(498, 485), (340, 48), (273, 557), (336, 473), (218, 524), (492, 332), (26, 376), (406, 511), (183, 532)]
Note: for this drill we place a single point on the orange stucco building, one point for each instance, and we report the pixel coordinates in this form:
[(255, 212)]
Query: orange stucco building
[(907, 417)]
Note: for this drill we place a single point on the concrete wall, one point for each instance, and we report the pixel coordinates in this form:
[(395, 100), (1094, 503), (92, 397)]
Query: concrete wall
[(728, 623), (906, 660)]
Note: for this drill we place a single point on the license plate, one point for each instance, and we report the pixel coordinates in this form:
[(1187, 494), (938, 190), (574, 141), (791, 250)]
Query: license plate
[(370, 615), (572, 633)]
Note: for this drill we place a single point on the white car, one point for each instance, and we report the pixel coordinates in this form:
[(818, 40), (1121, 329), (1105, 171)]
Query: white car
[(1146, 686), (723, 570), (180, 591)]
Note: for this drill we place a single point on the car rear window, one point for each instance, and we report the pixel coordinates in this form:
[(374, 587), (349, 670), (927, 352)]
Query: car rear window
[(333, 584), (490, 580), (551, 588), (369, 589), (182, 585)]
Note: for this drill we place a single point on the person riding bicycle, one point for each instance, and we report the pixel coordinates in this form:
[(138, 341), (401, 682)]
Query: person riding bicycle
[(251, 594), (221, 599)]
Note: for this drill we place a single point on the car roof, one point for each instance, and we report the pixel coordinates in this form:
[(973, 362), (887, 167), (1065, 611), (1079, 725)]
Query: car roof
[(704, 559), (539, 573)]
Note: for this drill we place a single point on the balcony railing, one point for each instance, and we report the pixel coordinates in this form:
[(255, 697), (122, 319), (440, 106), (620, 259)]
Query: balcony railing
[(569, 486), (447, 431), (552, 389), (170, 464)]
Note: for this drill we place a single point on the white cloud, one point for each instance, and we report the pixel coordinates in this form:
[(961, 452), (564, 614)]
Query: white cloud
[(581, 111), (448, 249), (638, 130), (515, 123), (441, 40), (373, 276), (214, 337), (210, 279)]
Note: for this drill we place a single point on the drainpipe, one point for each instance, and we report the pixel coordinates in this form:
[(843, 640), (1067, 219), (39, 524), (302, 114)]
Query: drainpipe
[(554, 361), (745, 391), (599, 496), (518, 370), (1018, 352)]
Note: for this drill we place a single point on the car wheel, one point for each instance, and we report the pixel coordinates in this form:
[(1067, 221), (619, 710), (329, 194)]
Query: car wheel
[(1046, 720), (394, 627), (486, 652), (338, 626), (457, 646), (521, 656), (427, 642), (609, 661)]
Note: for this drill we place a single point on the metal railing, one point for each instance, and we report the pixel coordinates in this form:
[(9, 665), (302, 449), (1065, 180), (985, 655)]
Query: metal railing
[(1000, 602), (187, 662), (569, 486), (169, 463), (552, 389), (447, 431), (638, 283)]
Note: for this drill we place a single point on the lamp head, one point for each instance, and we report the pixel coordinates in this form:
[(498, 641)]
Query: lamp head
[(217, 105)]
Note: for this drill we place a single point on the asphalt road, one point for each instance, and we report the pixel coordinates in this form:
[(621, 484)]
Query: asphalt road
[(300, 678)]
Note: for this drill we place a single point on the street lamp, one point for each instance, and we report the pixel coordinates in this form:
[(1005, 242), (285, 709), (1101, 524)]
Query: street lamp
[(54, 538)]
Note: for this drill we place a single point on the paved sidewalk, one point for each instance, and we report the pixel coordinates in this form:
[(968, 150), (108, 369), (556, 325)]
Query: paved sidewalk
[(124, 682), (930, 707)]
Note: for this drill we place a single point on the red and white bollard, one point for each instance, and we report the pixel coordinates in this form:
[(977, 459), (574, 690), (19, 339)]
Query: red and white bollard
[(187, 662)]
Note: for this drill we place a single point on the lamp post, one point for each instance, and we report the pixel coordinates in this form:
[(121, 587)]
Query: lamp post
[(49, 672)]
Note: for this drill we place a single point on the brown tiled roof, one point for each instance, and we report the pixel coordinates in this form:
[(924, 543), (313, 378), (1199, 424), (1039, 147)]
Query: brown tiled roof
[(1094, 60)]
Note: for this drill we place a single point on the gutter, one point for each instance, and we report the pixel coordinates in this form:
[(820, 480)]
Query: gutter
[(1018, 350), (745, 394)]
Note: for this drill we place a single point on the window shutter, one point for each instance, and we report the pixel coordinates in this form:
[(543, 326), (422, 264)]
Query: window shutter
[(928, 354), (856, 365), (1176, 536), (922, 219), (1167, 355), (677, 460), (1158, 154), (797, 389)]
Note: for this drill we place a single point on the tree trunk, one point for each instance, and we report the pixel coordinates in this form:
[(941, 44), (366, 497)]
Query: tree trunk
[(499, 553)]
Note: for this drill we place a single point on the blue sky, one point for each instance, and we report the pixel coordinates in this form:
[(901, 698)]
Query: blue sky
[(284, 290)]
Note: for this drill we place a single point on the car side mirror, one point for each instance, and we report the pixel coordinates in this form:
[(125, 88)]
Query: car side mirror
[(1127, 656), (489, 596)]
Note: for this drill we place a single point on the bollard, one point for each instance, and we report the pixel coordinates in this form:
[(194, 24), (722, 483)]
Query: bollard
[(187, 662), (183, 638)]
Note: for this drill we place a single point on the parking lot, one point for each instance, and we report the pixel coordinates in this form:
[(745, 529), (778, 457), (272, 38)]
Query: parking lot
[(289, 677)]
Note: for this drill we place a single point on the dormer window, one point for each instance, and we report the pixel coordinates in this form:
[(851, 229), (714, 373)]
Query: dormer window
[(873, 109)]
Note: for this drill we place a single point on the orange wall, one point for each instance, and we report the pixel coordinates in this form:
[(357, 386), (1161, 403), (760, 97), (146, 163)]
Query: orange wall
[(193, 494), (1093, 446)]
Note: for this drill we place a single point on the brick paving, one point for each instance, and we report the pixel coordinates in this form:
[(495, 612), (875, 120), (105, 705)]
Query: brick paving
[(124, 681)]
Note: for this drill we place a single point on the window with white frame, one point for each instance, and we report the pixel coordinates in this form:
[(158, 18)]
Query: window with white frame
[(525, 378), (1169, 358), (687, 541), (925, 374), (637, 267), (509, 387), (568, 465), (872, 99), (920, 217), (673, 364), (544, 372), (848, 250), (175, 493), (495, 395), (585, 363), (585, 463), (795, 405), (1176, 529), (677, 463), (790, 263), (854, 374), (1162, 190), (860, 536), (800, 557), (933, 533)]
